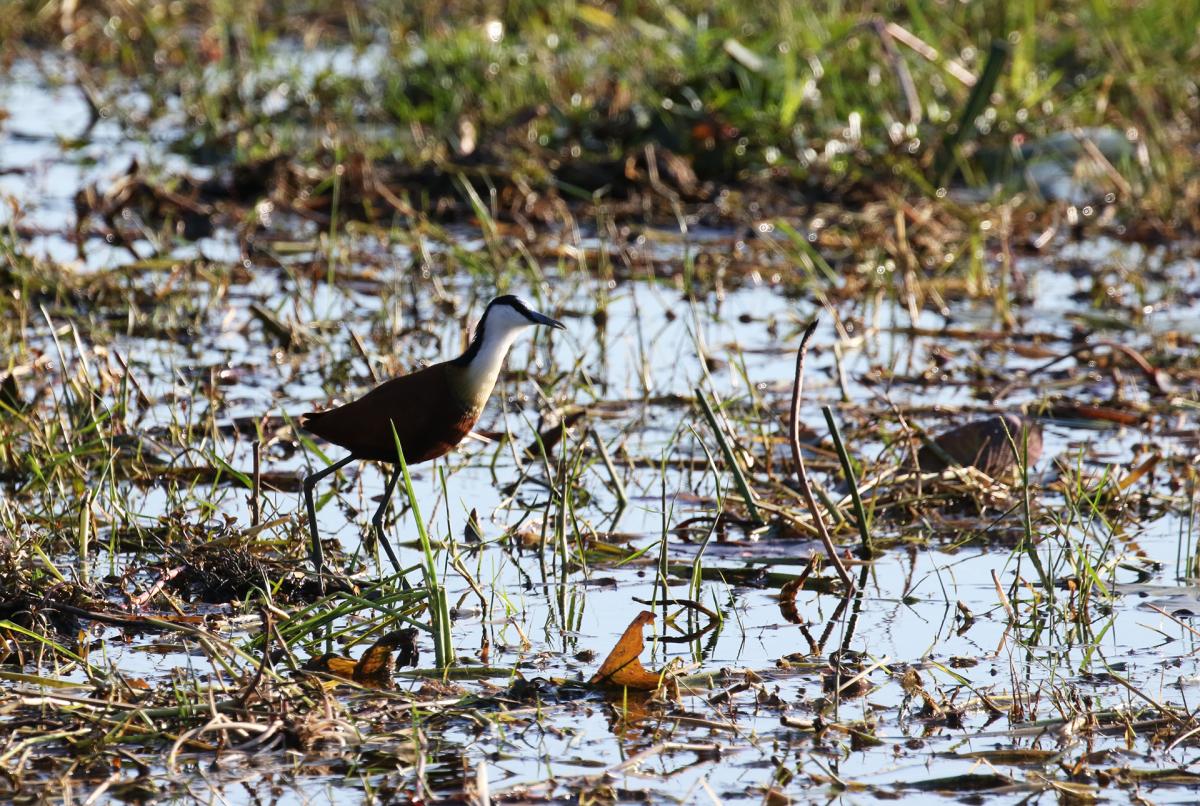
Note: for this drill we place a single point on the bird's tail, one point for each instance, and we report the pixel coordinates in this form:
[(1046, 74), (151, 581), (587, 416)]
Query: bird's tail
[(308, 418)]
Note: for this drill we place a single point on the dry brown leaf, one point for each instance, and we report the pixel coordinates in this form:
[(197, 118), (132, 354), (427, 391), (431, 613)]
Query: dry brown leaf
[(375, 667), (622, 667), (787, 600), (1068, 409), (333, 664), (1138, 472), (787, 593)]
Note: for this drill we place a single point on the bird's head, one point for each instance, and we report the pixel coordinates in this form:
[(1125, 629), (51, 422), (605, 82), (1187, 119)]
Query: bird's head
[(509, 314), (503, 319)]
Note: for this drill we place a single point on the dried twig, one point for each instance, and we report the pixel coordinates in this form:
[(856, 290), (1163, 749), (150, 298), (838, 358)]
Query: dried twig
[(798, 459)]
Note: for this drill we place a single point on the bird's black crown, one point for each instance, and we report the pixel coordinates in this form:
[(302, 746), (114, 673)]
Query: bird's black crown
[(513, 301)]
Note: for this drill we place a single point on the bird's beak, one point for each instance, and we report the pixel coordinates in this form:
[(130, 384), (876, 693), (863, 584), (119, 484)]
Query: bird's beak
[(542, 319)]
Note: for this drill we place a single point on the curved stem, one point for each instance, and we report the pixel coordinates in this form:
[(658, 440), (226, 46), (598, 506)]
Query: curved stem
[(801, 473)]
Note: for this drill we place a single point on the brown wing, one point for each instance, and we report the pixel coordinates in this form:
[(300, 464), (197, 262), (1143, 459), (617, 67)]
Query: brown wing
[(427, 418)]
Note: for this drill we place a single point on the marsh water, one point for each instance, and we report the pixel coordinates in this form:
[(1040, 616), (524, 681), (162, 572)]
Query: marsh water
[(631, 357)]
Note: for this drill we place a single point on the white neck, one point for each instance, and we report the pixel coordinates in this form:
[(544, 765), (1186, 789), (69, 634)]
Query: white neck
[(485, 366), (500, 328)]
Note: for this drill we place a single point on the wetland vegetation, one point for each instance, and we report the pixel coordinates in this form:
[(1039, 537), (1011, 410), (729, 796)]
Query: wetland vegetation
[(959, 561)]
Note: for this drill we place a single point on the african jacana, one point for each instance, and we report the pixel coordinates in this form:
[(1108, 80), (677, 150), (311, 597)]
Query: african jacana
[(431, 410)]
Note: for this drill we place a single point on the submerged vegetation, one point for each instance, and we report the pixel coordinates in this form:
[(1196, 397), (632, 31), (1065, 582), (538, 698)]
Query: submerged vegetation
[(951, 550)]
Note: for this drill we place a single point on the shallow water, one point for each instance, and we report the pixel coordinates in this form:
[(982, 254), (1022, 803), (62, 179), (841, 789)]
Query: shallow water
[(646, 350)]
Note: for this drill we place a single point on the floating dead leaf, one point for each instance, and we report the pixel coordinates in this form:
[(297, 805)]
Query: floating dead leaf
[(375, 667), (968, 782), (1033, 350), (622, 667), (1174, 775), (1070, 410), (1014, 756)]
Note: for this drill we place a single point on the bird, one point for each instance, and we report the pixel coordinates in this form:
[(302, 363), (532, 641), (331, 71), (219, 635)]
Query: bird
[(431, 411)]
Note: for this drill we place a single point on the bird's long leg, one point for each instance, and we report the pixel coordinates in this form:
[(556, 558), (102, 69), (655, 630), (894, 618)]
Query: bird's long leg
[(318, 556), (377, 520)]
